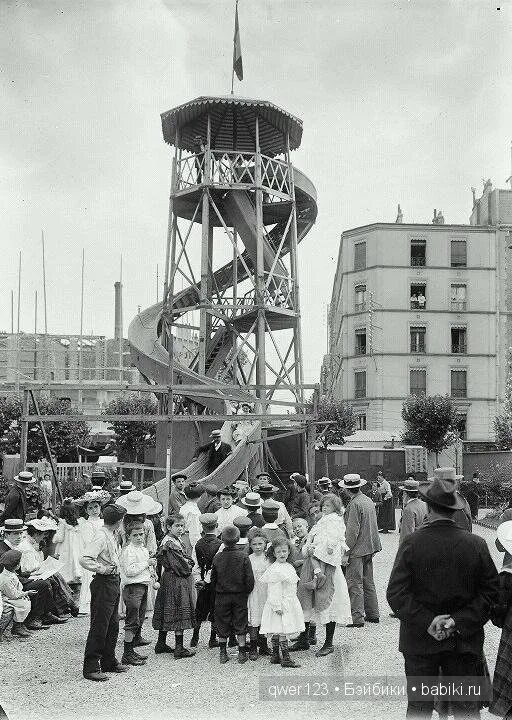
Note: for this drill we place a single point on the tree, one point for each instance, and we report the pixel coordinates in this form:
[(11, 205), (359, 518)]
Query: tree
[(503, 422), (430, 421), (133, 437), (63, 437), (343, 424)]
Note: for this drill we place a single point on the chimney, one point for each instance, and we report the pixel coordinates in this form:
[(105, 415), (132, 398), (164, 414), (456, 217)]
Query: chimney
[(118, 327)]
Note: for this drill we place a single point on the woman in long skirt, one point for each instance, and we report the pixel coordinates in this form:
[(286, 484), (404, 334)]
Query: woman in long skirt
[(386, 514)]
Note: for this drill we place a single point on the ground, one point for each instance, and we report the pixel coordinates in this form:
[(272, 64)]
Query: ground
[(41, 678)]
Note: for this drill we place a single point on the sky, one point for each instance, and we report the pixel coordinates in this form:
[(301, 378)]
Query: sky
[(402, 101)]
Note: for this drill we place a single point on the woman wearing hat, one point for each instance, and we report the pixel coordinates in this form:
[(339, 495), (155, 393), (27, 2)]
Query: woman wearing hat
[(88, 526)]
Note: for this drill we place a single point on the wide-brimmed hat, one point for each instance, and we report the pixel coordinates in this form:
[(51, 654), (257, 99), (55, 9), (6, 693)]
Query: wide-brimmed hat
[(126, 486), (252, 500), (155, 508), (442, 490), (505, 535), (25, 477), (410, 486), (13, 525), (99, 496), (324, 482), (135, 503), (44, 524), (352, 480)]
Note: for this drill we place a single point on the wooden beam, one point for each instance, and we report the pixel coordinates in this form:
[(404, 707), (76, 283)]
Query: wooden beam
[(164, 418), (119, 387)]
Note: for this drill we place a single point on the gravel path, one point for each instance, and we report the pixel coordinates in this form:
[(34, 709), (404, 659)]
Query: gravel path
[(41, 678)]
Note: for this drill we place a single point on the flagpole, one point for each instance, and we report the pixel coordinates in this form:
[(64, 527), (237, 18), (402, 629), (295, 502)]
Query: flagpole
[(233, 63)]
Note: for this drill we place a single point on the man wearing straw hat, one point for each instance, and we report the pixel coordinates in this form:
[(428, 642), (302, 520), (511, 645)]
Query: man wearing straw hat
[(362, 538), (16, 498), (442, 587), (414, 509)]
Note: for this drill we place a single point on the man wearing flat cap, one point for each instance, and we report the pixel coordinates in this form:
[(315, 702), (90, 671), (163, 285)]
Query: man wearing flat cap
[(442, 587), (217, 451)]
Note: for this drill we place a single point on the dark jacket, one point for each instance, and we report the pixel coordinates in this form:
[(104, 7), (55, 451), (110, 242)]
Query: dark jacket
[(206, 548), (441, 569), (256, 518), (208, 503), (15, 504), (232, 572), (215, 457), (300, 504)]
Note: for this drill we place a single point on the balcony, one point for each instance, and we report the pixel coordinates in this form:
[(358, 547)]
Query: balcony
[(458, 305), (459, 349), (418, 261), (360, 307)]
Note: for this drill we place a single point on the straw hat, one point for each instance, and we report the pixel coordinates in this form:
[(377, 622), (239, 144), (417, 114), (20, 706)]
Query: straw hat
[(252, 500), (25, 478), (13, 525), (410, 486), (156, 507), (126, 486), (44, 524), (352, 480), (136, 503)]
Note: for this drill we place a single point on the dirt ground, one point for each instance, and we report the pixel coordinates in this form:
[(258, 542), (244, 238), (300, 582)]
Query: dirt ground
[(41, 678)]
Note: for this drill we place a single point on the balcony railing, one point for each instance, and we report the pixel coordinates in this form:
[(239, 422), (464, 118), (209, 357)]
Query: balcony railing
[(459, 393), (459, 349), (360, 349), (458, 305), (417, 305), (360, 307), (418, 261)]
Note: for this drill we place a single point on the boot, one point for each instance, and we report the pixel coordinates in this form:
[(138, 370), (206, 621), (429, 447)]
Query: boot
[(327, 647), (195, 636), (253, 647), (161, 645), (213, 642), (20, 630), (180, 651), (242, 654), (262, 644), (302, 642), (139, 641), (286, 660), (274, 657), (130, 657), (223, 654), (232, 641), (312, 633)]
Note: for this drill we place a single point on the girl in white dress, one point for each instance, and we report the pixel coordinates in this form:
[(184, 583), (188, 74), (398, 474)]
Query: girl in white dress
[(282, 614), (325, 543), (67, 542), (88, 526), (258, 597)]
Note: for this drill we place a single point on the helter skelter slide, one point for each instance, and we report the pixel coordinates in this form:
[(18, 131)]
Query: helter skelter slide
[(232, 176)]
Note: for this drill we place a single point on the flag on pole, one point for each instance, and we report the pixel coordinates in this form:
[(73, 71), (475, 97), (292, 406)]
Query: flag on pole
[(237, 50)]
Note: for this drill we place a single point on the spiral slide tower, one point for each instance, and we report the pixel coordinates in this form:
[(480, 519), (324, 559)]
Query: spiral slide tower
[(231, 176)]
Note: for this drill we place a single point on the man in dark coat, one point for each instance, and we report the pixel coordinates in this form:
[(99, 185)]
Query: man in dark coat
[(16, 498), (442, 586), (301, 499), (217, 451)]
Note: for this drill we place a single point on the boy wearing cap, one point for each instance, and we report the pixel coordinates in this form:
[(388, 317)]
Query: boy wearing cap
[(269, 512), (204, 551), (243, 524), (233, 580), (414, 511), (177, 496), (101, 557), (228, 511), (267, 492)]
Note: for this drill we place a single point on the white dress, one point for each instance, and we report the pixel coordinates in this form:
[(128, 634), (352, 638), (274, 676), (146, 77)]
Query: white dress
[(256, 600), (332, 529), (87, 529), (67, 549), (281, 580)]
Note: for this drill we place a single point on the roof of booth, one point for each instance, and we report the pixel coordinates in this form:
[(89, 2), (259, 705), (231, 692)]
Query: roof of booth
[(232, 124)]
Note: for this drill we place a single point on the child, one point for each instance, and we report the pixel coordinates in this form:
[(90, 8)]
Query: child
[(88, 526), (257, 598), (282, 614), (233, 581), (191, 512), (137, 573), (101, 557), (243, 524), (205, 550), (12, 593), (270, 511), (227, 511), (67, 542), (174, 604), (327, 541)]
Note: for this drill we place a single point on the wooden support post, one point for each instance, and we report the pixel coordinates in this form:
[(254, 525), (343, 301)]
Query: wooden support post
[(55, 484), (24, 431)]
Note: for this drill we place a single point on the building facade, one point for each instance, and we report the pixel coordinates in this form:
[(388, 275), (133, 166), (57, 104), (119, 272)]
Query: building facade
[(424, 309)]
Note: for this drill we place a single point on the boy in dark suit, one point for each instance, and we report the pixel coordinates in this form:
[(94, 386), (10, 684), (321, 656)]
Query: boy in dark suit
[(233, 580), (204, 551)]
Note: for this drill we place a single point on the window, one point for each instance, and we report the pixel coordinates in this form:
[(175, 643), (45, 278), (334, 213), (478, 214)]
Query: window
[(458, 253), (459, 340), (458, 297), (418, 382), (360, 256), (418, 296), (360, 299), (360, 384), (361, 341), (459, 386), (361, 422), (418, 339), (418, 252), (461, 424)]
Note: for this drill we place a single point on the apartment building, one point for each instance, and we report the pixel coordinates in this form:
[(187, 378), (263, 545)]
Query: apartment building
[(424, 309)]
